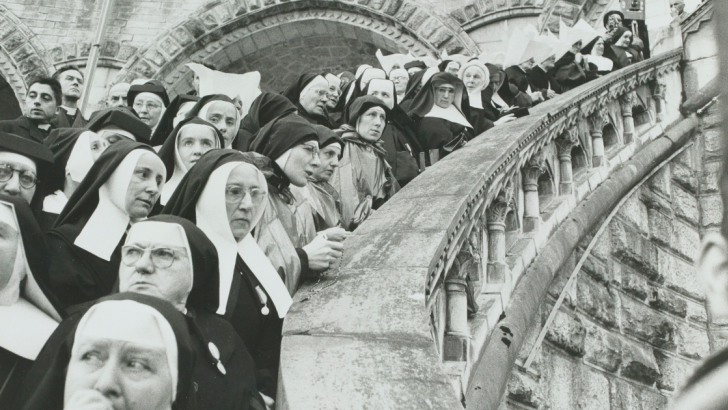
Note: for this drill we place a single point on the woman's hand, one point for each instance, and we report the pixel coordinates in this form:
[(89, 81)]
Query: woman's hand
[(88, 399), (335, 234), (504, 119), (322, 252)]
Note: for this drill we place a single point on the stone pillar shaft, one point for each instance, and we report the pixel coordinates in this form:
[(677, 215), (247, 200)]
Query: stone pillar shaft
[(531, 211), (496, 253), (455, 346)]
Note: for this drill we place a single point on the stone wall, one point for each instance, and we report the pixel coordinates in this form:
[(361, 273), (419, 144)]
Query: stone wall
[(633, 324)]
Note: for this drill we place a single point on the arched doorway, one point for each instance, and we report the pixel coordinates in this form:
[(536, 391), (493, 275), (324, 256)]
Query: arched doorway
[(287, 39)]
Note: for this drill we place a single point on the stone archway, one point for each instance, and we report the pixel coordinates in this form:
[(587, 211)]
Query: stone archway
[(20, 53), (250, 41)]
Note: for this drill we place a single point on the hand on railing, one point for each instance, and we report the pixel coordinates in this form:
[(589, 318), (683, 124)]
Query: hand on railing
[(322, 252), (504, 119), (335, 234)]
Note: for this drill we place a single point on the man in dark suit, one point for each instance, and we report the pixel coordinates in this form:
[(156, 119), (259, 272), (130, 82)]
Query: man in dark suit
[(69, 114), (41, 105)]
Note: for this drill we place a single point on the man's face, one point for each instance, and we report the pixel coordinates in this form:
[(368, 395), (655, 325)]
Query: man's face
[(334, 91), (71, 85), (193, 141), (117, 95), (315, 100), (145, 185), (155, 262), (40, 104), (329, 158), (21, 175), (444, 95), (149, 109), (614, 21), (224, 116)]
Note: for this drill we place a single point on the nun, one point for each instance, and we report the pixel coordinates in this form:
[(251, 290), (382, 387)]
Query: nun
[(449, 66), (263, 110), (400, 78), (508, 96), (541, 77), (116, 123), (23, 165), (622, 52), (182, 268), (398, 138), (149, 101), (220, 111), (414, 67), (188, 141), (597, 63), (476, 77), (252, 295), (73, 157), (175, 112), (321, 197), (334, 90), (84, 245), (29, 313), (358, 87), (81, 366), (292, 145), (364, 179), (310, 96), (440, 111)]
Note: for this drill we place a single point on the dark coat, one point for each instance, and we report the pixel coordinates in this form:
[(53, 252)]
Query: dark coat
[(63, 120), (26, 128)]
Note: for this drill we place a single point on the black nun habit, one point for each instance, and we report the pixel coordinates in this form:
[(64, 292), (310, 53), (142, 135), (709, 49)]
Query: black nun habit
[(438, 128), (479, 99), (44, 387), (253, 297), (296, 90), (41, 155), (265, 108), (29, 313), (201, 107), (122, 121), (166, 122), (86, 239)]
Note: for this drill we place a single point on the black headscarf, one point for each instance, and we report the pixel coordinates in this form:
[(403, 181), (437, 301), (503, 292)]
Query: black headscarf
[(205, 294), (359, 106), (195, 111), (166, 153), (46, 382), (40, 154), (166, 122), (413, 86), (82, 204), (151, 86), (415, 64), (123, 118), (443, 65), (327, 136), (425, 98), (293, 93), (282, 134), (404, 124), (265, 108)]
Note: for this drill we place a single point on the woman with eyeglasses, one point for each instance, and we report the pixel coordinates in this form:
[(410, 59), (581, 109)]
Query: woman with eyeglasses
[(310, 94), (23, 163), (120, 189), (253, 297), (291, 143), (149, 101)]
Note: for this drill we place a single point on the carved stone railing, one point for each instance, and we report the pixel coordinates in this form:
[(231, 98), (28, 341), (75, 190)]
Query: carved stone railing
[(403, 320)]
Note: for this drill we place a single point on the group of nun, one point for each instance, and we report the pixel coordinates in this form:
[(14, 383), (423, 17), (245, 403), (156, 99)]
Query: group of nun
[(148, 259)]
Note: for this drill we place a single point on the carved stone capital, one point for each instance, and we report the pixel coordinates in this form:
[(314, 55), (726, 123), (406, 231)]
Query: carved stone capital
[(568, 139), (535, 166), (598, 121), (500, 207), (626, 101)]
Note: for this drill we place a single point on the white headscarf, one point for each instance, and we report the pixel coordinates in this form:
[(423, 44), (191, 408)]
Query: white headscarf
[(104, 229), (132, 322), (210, 214), (476, 101)]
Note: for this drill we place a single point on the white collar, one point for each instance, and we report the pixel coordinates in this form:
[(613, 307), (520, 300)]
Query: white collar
[(450, 113), (55, 202), (25, 328)]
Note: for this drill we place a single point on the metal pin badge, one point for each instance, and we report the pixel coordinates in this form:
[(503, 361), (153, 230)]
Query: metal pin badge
[(265, 310)]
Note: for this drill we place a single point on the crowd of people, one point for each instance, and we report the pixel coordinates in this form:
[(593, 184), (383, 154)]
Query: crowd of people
[(149, 252)]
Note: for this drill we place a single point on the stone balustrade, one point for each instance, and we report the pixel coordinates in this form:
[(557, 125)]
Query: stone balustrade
[(405, 318)]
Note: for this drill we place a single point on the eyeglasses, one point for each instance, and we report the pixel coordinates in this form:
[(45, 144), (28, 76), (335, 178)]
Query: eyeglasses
[(235, 194), (148, 105), (27, 179), (162, 258), (399, 78), (311, 149)]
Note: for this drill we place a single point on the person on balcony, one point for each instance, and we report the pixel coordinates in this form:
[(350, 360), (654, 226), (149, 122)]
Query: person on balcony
[(400, 78), (364, 179), (596, 64), (621, 52), (440, 112)]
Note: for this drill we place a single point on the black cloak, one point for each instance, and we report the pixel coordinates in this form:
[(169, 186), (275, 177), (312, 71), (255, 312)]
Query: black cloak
[(261, 333), (438, 133), (44, 387), (123, 118), (401, 142), (13, 368), (518, 77), (511, 95), (166, 122), (151, 86), (40, 154), (621, 55), (79, 276), (265, 108), (293, 93), (542, 81)]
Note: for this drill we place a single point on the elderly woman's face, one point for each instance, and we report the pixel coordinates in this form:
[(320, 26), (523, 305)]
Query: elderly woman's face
[(244, 196), (315, 99), (453, 68), (474, 79), (224, 116), (370, 125), (19, 174), (444, 95), (149, 109), (9, 238), (107, 373), (400, 81), (625, 40)]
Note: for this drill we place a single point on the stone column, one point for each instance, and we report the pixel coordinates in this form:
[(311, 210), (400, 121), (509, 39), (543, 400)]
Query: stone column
[(658, 95), (496, 270), (457, 336), (568, 140), (597, 122), (626, 102), (531, 211)]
